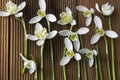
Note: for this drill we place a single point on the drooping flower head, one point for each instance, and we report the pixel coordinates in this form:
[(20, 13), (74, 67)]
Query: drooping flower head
[(13, 9), (106, 9), (89, 54), (41, 34), (87, 13), (69, 53), (29, 64), (101, 32), (66, 17), (41, 13)]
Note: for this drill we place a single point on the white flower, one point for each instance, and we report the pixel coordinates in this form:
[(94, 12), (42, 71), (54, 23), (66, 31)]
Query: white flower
[(13, 9), (106, 9), (69, 53), (66, 17), (100, 32), (41, 34), (29, 64), (89, 54), (41, 13), (74, 35), (87, 13)]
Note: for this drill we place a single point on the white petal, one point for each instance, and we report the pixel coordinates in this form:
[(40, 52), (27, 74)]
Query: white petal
[(23, 57), (42, 5), (52, 34), (76, 45), (40, 42), (95, 38), (35, 19), (31, 37), (51, 17), (31, 71), (97, 7), (60, 22), (84, 50), (92, 10), (68, 44), (68, 10), (98, 22), (111, 34), (73, 22), (82, 30), (38, 27), (77, 56), (33, 67), (65, 33), (109, 12), (88, 20), (91, 62), (20, 14), (4, 14), (22, 6), (95, 52), (64, 61), (82, 8)]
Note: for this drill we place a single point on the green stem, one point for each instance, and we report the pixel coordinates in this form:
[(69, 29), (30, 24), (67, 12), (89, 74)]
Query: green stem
[(112, 50), (78, 66), (99, 62), (41, 57), (52, 58), (107, 56)]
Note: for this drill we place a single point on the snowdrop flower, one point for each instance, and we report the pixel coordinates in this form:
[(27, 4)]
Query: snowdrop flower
[(74, 35), (41, 34), (29, 64), (106, 9), (100, 32), (87, 13), (41, 13), (89, 54), (66, 17), (69, 53), (13, 9)]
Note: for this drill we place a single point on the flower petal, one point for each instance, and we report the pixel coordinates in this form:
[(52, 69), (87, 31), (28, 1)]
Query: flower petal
[(40, 42), (20, 14), (92, 10), (68, 44), (95, 52), (95, 38), (35, 19), (42, 5), (60, 22), (65, 60), (65, 33), (91, 62), (111, 34), (68, 10), (22, 6), (82, 8), (23, 57), (77, 56), (76, 45), (33, 67), (4, 14), (109, 12), (97, 7), (82, 30), (73, 22), (38, 27), (52, 34), (88, 20), (98, 22), (51, 17), (84, 50), (31, 37)]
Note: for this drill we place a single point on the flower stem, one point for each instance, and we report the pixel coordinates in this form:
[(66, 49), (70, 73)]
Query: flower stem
[(78, 66), (112, 50), (85, 68), (51, 50), (41, 57), (107, 56)]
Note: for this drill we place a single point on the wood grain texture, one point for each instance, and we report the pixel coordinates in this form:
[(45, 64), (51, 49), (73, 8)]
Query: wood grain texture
[(12, 41)]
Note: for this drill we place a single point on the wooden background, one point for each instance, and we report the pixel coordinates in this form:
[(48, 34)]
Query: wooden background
[(12, 41)]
